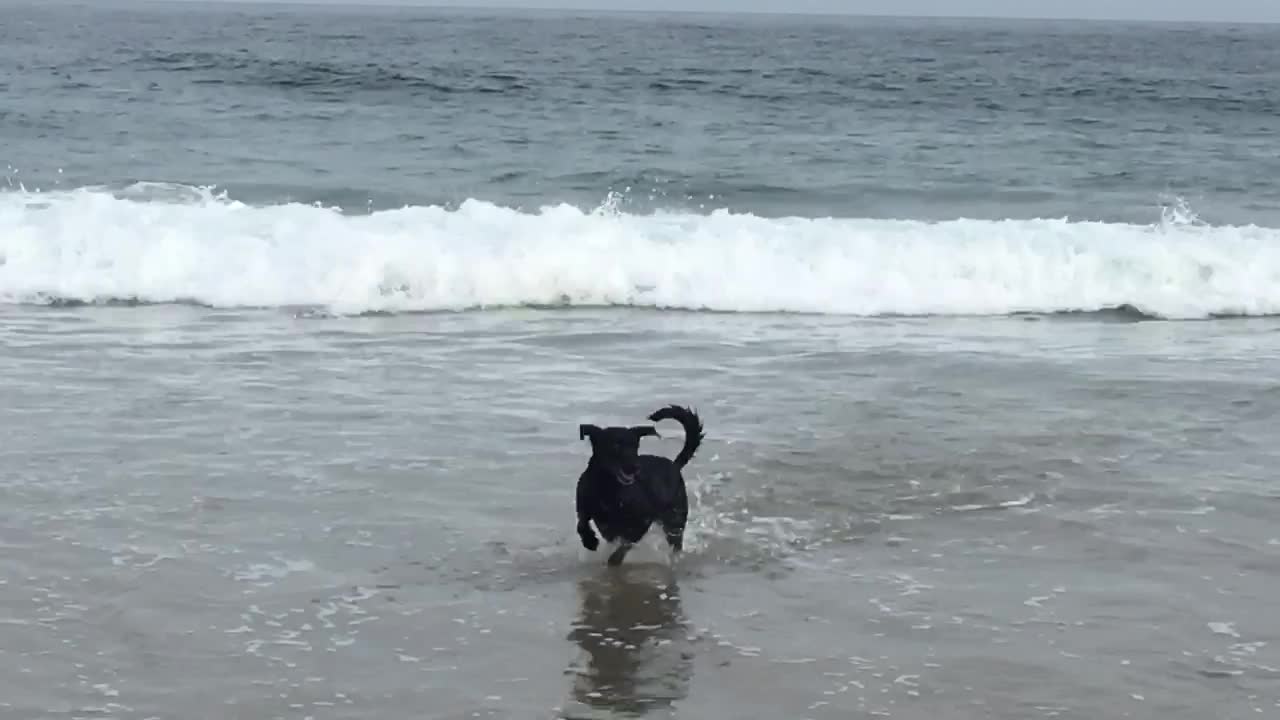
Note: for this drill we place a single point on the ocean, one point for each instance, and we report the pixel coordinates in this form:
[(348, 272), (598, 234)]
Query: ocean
[(301, 308)]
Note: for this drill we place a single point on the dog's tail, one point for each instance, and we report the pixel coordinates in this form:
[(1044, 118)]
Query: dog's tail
[(693, 434)]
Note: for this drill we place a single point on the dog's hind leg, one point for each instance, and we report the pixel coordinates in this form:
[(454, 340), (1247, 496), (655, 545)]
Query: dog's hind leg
[(673, 524), (674, 520), (673, 529)]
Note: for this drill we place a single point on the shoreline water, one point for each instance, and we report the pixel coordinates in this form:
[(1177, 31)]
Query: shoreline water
[(1004, 467), (263, 516)]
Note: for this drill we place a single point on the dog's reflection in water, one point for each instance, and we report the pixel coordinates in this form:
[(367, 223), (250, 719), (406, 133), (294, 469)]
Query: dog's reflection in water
[(636, 657)]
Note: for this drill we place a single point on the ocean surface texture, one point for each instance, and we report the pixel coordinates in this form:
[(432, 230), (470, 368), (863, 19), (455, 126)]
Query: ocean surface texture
[(301, 307)]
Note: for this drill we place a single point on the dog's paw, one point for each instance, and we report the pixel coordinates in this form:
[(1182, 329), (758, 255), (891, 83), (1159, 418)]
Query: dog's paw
[(590, 542)]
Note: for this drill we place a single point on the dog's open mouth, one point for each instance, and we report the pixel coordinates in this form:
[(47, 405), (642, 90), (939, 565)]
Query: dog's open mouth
[(624, 477)]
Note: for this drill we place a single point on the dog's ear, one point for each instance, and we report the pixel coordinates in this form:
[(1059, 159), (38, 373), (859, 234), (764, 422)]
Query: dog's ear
[(643, 431), (585, 430)]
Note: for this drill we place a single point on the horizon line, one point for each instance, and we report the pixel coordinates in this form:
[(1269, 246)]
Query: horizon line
[(554, 8)]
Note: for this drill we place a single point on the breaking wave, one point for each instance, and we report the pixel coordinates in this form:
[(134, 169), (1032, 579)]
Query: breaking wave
[(160, 244)]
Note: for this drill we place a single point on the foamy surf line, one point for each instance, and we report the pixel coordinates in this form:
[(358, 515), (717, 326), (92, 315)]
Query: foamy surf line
[(89, 246)]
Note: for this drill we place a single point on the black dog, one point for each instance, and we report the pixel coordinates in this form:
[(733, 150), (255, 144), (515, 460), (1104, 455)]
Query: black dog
[(625, 492)]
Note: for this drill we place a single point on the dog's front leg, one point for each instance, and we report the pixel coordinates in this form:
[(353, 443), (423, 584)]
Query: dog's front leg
[(589, 539), (618, 555), (583, 504)]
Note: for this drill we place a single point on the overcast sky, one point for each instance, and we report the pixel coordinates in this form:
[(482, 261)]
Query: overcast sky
[(1177, 10)]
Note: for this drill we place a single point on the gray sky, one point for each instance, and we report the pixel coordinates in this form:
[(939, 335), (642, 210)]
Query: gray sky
[(1177, 10)]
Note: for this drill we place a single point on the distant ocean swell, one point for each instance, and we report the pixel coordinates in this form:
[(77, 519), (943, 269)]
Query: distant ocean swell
[(179, 244), (245, 69)]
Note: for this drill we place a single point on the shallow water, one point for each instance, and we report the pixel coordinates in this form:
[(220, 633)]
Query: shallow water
[(264, 514)]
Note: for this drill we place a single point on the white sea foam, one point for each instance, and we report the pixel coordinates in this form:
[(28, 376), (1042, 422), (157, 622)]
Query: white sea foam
[(88, 245)]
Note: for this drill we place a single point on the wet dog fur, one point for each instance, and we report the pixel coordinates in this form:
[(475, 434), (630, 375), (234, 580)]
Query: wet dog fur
[(624, 493)]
